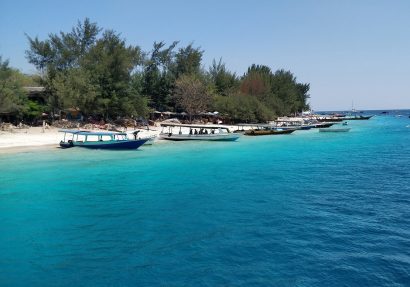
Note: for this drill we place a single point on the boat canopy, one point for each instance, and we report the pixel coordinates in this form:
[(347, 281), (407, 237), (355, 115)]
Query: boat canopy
[(90, 133), (193, 126)]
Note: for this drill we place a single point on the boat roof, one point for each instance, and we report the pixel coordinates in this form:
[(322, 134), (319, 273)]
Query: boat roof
[(90, 133), (262, 125), (193, 126)]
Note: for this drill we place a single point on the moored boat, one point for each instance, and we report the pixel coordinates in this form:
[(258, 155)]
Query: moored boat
[(268, 129), (99, 140), (265, 132), (357, 118), (196, 132)]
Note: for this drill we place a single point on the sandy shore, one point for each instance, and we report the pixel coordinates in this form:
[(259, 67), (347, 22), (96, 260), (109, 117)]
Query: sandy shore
[(34, 138), (31, 137)]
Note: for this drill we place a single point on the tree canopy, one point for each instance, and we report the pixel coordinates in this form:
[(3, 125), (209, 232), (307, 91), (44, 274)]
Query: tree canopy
[(96, 71)]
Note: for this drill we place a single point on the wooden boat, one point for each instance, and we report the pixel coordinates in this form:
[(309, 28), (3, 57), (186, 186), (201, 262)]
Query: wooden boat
[(265, 132), (357, 118), (268, 129), (334, 130), (174, 132), (323, 125), (330, 119), (99, 140), (292, 123)]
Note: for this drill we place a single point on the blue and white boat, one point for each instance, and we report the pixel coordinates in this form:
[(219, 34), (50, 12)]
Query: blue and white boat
[(99, 140)]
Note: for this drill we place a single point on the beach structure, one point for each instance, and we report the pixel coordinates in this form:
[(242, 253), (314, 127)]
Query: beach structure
[(183, 132), (99, 140)]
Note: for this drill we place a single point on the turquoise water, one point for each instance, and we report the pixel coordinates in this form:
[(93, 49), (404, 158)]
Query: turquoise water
[(307, 209)]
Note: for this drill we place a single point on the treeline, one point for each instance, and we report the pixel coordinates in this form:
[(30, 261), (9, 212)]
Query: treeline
[(96, 71)]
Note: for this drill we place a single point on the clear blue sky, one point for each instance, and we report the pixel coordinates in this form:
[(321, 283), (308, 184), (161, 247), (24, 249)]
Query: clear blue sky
[(356, 50)]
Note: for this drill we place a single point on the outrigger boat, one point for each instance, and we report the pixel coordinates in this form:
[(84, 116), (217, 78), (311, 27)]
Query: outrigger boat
[(196, 132), (357, 118), (267, 129), (99, 140)]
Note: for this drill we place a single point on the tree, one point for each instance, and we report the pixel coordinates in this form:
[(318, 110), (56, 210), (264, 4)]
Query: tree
[(159, 77), (90, 70), (188, 61), (12, 95), (225, 82), (75, 88), (191, 94)]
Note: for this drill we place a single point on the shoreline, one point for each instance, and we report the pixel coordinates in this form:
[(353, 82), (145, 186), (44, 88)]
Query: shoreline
[(35, 138), (27, 148)]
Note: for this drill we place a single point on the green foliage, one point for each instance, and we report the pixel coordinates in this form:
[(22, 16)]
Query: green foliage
[(278, 91), (188, 61), (12, 95), (159, 77), (225, 82), (32, 110), (89, 70), (242, 108), (96, 71)]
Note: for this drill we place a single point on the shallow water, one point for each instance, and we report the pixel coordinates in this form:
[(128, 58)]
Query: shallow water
[(307, 209)]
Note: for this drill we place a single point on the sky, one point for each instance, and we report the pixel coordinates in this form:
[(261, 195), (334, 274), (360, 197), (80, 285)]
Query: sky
[(351, 52)]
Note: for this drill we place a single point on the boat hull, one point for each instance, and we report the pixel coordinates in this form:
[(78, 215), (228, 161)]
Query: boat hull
[(323, 125), (268, 132), (361, 118), (203, 137), (330, 119), (112, 145)]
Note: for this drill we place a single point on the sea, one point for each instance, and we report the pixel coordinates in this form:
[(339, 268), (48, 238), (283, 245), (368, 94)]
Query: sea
[(306, 209)]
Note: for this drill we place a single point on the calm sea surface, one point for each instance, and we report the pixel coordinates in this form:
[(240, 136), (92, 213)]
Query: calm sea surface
[(307, 209)]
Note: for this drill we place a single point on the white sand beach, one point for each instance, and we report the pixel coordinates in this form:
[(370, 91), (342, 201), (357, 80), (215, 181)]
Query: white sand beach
[(30, 137), (35, 137)]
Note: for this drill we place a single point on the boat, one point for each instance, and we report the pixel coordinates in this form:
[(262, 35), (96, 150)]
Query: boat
[(99, 140), (323, 125), (265, 132), (356, 118), (334, 130), (330, 119), (151, 139), (267, 129), (292, 123), (196, 132)]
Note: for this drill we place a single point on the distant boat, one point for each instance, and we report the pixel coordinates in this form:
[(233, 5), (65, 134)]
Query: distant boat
[(267, 129), (286, 123), (323, 125), (196, 132), (330, 119), (334, 130), (357, 118), (99, 140), (266, 132)]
